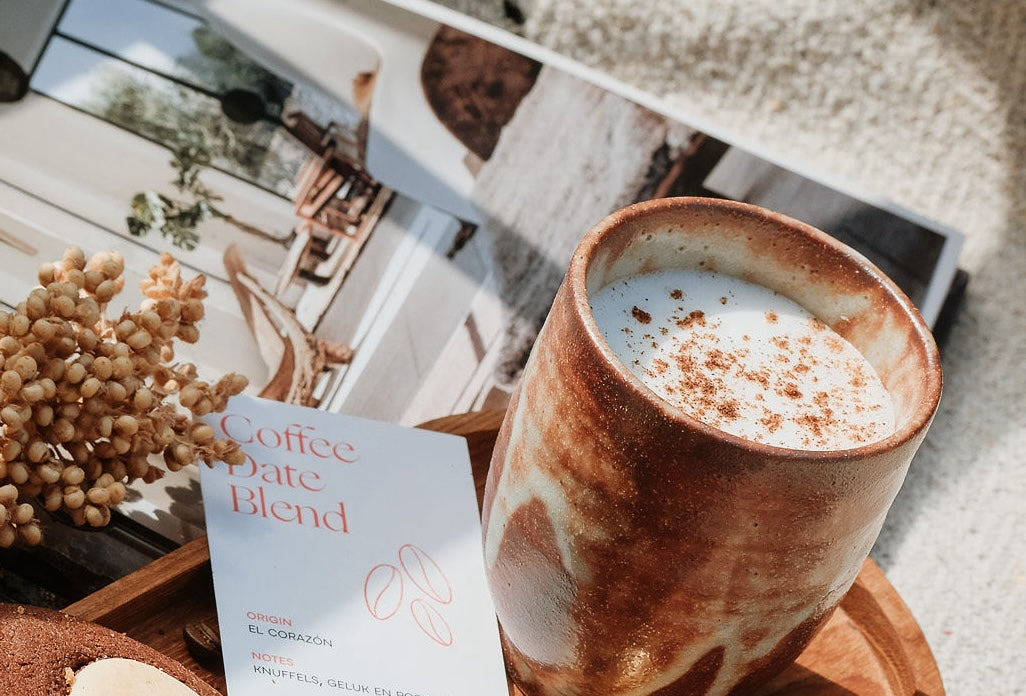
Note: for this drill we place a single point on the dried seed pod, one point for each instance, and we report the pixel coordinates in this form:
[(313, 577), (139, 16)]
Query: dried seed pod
[(54, 369), (11, 417), (102, 368), (140, 339), (30, 534), (122, 445), (79, 451), (49, 387), (63, 306), (37, 451), (202, 434), (9, 345), (234, 383), (98, 496), (97, 516), (143, 399), (192, 310), (8, 494), (53, 498), (49, 472), (32, 392), (117, 492), (84, 400), (137, 467), (44, 330), (122, 367), (19, 325), (116, 392), (106, 291), (74, 497), (44, 415), (18, 473), (75, 373), (46, 272), (90, 387), (23, 514), (188, 333), (10, 451), (189, 395), (95, 405), (25, 366), (10, 381), (105, 426), (73, 475), (63, 430), (74, 257), (88, 340), (231, 453), (92, 278)]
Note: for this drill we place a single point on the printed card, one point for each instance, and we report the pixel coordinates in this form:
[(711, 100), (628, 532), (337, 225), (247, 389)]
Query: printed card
[(347, 557)]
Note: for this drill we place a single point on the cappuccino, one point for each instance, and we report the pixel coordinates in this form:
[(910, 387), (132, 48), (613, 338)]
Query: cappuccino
[(657, 517), (744, 359)]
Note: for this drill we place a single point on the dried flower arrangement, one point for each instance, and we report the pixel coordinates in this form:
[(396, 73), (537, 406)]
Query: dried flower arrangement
[(85, 400)]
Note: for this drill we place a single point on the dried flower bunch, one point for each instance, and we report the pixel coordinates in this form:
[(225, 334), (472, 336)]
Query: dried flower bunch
[(84, 400)]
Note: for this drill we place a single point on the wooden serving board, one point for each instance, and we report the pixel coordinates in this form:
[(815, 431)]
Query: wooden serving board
[(871, 646)]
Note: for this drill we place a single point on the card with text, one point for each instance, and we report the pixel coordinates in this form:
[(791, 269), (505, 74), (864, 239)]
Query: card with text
[(347, 557)]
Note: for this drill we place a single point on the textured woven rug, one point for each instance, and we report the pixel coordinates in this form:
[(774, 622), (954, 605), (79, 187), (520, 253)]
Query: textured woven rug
[(921, 103)]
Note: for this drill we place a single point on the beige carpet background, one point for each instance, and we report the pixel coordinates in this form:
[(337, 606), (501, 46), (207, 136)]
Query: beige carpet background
[(921, 103)]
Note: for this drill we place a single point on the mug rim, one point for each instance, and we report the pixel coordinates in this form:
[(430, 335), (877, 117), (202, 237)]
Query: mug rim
[(915, 425)]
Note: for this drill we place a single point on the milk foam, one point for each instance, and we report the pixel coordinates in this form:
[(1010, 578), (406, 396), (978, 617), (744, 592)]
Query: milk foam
[(744, 359)]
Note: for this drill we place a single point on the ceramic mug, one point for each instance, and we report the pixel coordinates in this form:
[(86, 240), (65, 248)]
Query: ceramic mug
[(632, 549)]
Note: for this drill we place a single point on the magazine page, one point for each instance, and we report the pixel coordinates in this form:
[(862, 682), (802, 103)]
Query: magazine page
[(516, 158)]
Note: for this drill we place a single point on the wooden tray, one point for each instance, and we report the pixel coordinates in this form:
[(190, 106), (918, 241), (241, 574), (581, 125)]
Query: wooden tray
[(871, 646)]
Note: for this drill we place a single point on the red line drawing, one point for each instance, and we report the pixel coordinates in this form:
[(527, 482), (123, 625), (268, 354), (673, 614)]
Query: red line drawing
[(431, 622), (383, 591), (425, 573)]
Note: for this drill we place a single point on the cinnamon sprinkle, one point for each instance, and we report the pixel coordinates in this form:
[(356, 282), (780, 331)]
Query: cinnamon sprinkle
[(696, 317), (769, 377), (730, 410), (641, 315), (704, 373), (771, 421)]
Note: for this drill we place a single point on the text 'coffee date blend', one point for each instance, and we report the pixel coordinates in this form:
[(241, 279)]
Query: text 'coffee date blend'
[(263, 486), (249, 501)]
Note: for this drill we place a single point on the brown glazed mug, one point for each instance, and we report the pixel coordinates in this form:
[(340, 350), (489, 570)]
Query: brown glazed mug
[(632, 549)]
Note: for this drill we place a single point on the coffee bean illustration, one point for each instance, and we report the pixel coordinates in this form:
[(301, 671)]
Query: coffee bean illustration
[(383, 591), (431, 622), (425, 573)]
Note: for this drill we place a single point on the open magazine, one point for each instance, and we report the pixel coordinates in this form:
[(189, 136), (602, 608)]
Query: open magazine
[(496, 163), (446, 171)]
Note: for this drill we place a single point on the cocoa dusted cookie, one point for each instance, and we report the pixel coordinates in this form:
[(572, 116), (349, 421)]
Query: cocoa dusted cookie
[(47, 653)]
